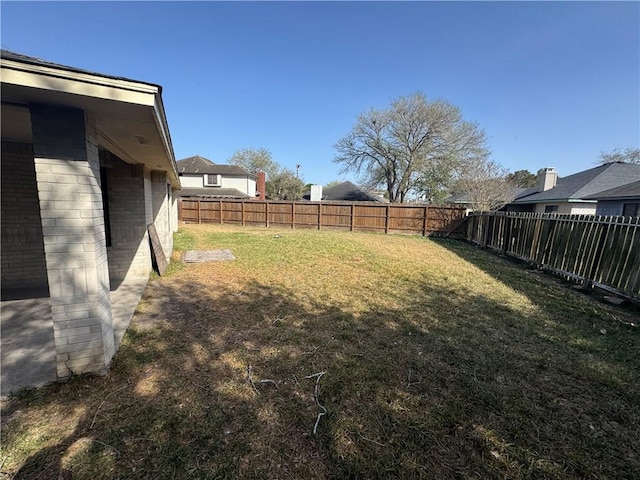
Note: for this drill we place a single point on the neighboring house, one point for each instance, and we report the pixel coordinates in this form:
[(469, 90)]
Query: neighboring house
[(624, 200), (465, 200), (349, 192), (200, 177), (573, 194), (87, 171)]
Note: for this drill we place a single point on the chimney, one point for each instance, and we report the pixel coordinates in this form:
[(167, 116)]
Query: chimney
[(547, 178), (316, 193), (261, 186)]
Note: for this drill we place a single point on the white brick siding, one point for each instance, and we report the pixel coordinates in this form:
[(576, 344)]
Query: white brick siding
[(129, 251), (162, 210), (22, 258), (67, 162)]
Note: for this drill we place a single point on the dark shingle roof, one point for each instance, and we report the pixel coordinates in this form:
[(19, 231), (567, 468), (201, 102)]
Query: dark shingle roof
[(630, 190), (198, 164), (515, 192), (213, 192), (583, 184), (347, 191), (18, 57)]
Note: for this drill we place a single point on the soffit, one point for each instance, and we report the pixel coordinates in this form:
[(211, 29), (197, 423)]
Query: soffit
[(130, 121)]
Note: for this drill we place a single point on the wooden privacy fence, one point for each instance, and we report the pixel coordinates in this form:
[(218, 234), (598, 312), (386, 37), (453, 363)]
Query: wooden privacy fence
[(595, 250), (354, 216)]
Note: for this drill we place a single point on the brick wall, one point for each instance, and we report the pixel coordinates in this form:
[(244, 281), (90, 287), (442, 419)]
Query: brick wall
[(67, 169), (162, 210), (129, 251), (148, 197), (22, 258)]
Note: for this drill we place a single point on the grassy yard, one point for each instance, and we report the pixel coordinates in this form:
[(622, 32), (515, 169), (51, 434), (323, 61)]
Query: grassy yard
[(439, 360)]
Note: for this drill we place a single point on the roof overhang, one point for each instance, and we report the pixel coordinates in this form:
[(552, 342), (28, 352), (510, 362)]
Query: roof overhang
[(620, 198), (524, 201), (129, 115)]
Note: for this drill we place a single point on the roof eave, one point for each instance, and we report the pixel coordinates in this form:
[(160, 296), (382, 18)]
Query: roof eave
[(81, 89)]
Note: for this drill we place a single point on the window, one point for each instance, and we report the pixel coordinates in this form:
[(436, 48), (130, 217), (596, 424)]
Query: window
[(631, 210), (550, 208), (211, 180)]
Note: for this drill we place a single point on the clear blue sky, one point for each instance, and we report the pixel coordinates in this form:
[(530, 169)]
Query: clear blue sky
[(552, 84)]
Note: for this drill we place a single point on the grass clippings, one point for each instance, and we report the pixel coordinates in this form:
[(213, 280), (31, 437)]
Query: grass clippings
[(441, 361)]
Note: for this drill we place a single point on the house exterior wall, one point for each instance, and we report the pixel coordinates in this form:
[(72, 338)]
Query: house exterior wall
[(569, 208), (245, 184), (67, 168), (148, 198), (161, 198), (175, 195), (129, 251), (609, 207), (137, 198), (188, 180), (22, 255), (615, 207)]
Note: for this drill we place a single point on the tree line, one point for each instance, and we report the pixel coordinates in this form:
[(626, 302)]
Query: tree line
[(414, 149)]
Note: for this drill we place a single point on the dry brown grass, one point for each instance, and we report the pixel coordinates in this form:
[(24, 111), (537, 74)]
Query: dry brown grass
[(441, 361)]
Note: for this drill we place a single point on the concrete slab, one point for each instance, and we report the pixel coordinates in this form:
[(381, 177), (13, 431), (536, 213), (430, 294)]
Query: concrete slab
[(124, 300), (198, 256), (28, 353)]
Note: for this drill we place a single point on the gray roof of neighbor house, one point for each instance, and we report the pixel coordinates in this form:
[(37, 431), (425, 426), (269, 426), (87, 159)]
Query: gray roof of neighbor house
[(465, 198), (581, 185), (347, 191), (628, 191), (213, 192), (198, 164)]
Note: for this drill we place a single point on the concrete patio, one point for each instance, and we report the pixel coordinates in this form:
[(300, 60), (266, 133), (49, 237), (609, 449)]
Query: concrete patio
[(28, 353)]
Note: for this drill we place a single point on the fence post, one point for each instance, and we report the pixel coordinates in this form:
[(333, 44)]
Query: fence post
[(424, 221), (319, 216), (243, 213), (353, 215), (506, 234), (266, 213), (386, 220), (198, 211), (486, 228), (180, 210), (221, 220), (293, 215)]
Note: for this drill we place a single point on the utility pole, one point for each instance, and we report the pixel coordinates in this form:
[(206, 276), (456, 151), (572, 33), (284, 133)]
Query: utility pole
[(298, 170)]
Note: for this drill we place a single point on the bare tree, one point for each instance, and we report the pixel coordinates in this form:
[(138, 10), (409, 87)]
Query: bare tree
[(628, 155), (256, 160), (413, 146), (485, 184)]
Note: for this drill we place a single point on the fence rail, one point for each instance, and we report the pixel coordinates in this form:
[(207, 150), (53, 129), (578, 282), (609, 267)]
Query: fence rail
[(596, 250), (354, 216)]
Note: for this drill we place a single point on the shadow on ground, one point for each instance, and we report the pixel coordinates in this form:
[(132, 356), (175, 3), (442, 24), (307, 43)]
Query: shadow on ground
[(452, 385)]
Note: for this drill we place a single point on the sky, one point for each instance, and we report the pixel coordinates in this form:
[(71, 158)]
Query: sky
[(552, 84)]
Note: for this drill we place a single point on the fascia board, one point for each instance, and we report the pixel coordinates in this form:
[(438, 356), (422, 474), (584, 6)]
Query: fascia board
[(76, 83), (163, 128)]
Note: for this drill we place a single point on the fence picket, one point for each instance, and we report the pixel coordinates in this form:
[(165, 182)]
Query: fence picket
[(376, 217), (602, 250)]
